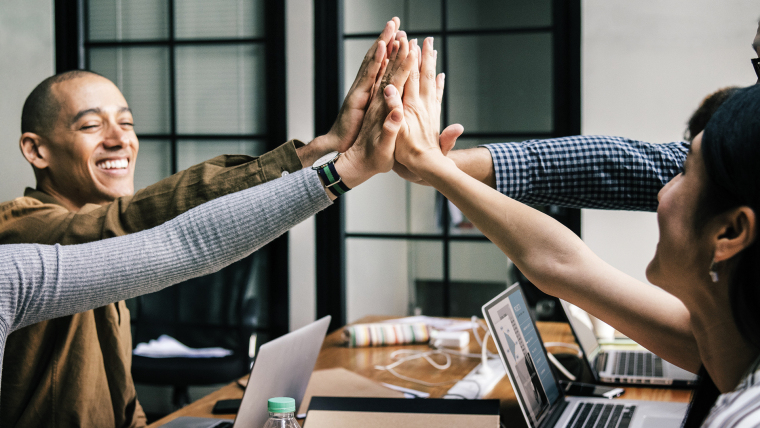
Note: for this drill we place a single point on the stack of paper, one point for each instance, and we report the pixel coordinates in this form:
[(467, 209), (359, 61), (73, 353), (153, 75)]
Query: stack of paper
[(169, 347)]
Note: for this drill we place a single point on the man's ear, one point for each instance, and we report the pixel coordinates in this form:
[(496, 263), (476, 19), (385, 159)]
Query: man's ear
[(737, 232), (34, 150)]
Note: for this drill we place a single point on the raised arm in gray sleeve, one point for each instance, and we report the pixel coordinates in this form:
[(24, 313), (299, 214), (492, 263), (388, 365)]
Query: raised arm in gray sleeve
[(41, 282), (587, 171)]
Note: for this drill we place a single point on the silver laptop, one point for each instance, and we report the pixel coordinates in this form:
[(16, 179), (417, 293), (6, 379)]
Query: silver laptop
[(540, 397), (282, 369), (623, 366)]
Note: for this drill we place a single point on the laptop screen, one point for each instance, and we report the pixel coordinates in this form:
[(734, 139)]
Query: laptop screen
[(522, 352)]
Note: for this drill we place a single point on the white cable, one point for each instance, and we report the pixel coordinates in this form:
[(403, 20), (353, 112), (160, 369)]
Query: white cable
[(483, 356), (484, 367), (561, 368), (556, 362), (414, 355), (572, 346)]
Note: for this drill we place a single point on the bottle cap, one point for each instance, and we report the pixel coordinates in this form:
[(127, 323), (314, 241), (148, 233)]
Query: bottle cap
[(281, 405)]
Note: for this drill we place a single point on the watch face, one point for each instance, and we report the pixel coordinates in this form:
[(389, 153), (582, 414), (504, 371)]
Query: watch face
[(326, 159)]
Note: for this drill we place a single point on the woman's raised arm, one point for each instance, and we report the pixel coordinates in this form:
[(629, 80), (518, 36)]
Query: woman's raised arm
[(550, 255)]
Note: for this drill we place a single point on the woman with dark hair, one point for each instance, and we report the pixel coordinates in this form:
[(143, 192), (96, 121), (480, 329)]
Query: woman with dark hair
[(706, 109), (707, 261)]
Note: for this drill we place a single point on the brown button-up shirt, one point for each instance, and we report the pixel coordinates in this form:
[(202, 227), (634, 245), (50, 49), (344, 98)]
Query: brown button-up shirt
[(75, 371)]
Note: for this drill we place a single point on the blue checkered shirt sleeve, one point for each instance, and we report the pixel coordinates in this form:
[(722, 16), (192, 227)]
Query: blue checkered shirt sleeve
[(588, 171)]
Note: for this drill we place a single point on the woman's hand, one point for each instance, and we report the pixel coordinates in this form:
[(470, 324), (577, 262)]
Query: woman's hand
[(447, 141), (418, 139)]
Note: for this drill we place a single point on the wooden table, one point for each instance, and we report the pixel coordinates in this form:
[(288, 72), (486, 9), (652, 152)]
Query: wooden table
[(363, 361)]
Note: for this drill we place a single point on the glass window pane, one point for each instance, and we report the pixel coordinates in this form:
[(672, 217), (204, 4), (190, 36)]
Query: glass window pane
[(199, 19), (501, 83), (142, 74), (370, 16), (459, 224), (127, 19), (353, 54), (479, 261), (377, 206), (422, 15), (424, 209), (153, 162), (497, 14), (479, 271), (221, 89), (192, 152), (382, 286)]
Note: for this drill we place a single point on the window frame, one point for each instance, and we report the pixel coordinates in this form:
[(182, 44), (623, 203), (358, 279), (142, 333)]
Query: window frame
[(71, 47), (330, 224)]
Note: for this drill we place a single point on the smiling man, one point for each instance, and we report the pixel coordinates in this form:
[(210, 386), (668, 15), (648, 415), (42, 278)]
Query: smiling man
[(78, 135), (86, 153)]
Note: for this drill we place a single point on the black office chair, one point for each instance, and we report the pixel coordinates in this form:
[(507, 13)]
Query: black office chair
[(218, 310)]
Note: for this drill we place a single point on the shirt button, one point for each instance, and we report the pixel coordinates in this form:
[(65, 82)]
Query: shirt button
[(284, 173)]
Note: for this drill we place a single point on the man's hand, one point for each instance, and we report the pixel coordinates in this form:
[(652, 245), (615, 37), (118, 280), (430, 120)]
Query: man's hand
[(373, 151), (346, 127)]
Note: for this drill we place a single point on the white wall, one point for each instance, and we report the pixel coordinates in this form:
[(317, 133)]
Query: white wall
[(26, 49), (646, 65)]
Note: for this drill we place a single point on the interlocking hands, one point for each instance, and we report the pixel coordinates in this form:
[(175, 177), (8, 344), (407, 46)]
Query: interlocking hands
[(396, 94)]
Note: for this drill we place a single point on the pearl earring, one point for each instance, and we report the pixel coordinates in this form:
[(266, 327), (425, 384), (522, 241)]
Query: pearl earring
[(713, 271)]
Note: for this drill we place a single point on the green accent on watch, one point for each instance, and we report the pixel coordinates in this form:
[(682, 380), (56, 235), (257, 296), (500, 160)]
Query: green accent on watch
[(325, 167)]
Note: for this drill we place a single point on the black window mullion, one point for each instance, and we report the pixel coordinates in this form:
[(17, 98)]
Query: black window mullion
[(173, 93), (176, 42), (446, 220), (330, 223), (276, 120), (446, 32)]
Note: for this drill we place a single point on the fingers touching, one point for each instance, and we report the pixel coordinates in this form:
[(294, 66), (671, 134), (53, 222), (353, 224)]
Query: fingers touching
[(373, 60), (427, 70)]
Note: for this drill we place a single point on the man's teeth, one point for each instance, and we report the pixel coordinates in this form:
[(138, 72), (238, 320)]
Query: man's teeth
[(113, 164)]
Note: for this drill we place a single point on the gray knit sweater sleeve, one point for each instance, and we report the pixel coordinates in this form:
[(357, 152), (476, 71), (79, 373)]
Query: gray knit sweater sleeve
[(39, 282)]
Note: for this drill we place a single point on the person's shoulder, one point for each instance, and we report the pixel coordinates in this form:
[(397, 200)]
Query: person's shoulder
[(24, 218), (24, 205), (738, 407)]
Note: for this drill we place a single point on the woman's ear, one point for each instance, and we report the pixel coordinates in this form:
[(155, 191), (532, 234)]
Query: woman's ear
[(737, 232), (34, 150)]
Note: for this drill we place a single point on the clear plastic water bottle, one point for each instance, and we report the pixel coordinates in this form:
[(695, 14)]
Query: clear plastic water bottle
[(281, 413)]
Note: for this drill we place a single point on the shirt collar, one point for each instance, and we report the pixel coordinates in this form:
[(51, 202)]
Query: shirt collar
[(751, 376), (41, 196)]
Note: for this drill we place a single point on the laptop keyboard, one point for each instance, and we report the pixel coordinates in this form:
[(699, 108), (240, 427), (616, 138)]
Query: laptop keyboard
[(589, 415), (637, 364)]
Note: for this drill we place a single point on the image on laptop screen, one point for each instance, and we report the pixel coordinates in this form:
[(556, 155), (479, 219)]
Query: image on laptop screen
[(520, 345)]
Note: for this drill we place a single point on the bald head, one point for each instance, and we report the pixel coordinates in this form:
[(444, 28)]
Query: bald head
[(41, 107)]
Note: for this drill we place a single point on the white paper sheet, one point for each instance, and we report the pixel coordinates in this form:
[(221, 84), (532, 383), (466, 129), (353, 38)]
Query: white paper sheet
[(169, 347)]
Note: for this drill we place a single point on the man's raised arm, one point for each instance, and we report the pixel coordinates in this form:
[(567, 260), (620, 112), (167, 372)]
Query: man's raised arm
[(577, 172)]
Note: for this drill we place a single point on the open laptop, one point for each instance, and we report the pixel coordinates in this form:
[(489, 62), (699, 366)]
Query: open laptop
[(282, 369), (623, 366), (539, 394)]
